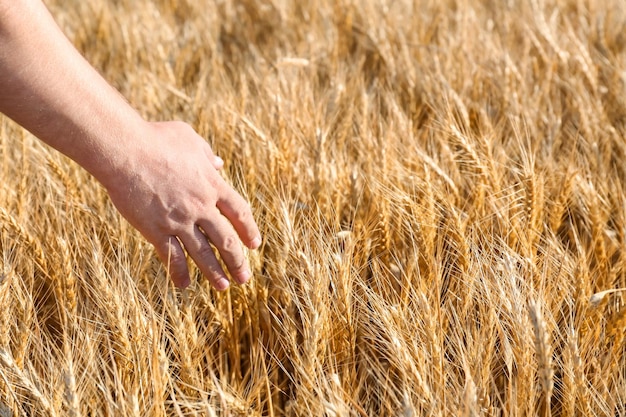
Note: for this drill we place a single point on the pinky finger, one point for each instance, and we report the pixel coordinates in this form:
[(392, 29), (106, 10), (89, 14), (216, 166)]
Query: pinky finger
[(173, 257)]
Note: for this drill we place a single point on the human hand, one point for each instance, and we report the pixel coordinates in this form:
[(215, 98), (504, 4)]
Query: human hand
[(172, 193), (161, 176)]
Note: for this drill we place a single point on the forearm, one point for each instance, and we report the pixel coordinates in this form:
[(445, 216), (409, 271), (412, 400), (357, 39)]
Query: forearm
[(172, 193), (48, 87)]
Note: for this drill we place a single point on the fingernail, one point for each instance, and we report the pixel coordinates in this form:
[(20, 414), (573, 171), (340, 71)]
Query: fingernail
[(256, 242), (245, 276), (219, 161), (222, 284)]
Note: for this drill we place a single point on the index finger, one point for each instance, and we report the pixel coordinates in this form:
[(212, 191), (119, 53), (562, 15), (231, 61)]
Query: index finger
[(237, 210)]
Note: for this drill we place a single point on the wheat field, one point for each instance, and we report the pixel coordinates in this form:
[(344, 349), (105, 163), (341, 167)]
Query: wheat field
[(441, 188)]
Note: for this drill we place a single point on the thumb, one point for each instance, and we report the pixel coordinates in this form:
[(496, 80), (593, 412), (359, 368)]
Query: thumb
[(218, 163)]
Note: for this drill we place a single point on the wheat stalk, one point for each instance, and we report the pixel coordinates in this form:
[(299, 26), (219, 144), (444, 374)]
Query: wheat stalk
[(543, 351), (419, 171)]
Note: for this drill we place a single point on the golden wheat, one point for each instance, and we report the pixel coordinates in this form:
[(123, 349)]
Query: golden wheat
[(439, 184)]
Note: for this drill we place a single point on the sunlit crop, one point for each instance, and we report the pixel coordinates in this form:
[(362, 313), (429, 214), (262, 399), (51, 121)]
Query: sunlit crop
[(441, 188)]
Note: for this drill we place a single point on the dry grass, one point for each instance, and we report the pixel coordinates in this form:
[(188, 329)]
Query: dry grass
[(441, 186)]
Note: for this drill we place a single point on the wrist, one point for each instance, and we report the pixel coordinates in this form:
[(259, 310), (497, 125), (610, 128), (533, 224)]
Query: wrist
[(116, 152)]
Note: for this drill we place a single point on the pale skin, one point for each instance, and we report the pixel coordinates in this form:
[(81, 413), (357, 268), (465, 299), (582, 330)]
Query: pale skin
[(162, 177)]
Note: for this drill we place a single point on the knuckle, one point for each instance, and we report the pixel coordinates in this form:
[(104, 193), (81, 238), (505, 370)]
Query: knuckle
[(245, 214), (171, 223), (230, 245), (179, 216), (235, 261), (242, 213), (237, 266)]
